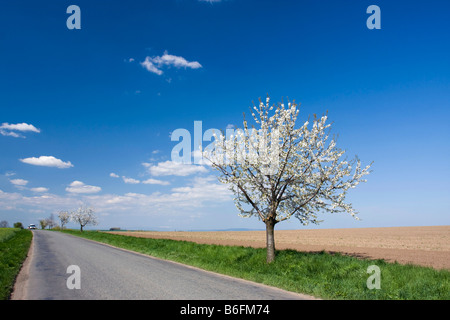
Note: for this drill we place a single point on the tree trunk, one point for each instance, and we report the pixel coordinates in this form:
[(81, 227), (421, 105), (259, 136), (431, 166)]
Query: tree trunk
[(270, 239)]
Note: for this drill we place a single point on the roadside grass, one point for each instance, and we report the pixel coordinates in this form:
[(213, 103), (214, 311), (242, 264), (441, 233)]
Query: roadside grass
[(6, 233), (14, 245), (320, 274)]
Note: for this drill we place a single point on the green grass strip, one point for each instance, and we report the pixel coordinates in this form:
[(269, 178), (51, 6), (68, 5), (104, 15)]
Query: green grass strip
[(6, 233), (14, 245), (324, 275)]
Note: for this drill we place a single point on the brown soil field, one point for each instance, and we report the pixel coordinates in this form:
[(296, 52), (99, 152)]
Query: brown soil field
[(426, 246)]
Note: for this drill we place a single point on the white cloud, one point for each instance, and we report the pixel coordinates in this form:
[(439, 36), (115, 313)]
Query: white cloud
[(170, 168), (205, 189), (156, 181), (80, 187), (176, 61), (135, 181), (210, 1), (195, 195), (130, 180), (7, 129), (113, 175), (42, 203), (47, 161), (10, 134), (23, 127), (19, 182), (148, 64), (39, 189), (154, 64)]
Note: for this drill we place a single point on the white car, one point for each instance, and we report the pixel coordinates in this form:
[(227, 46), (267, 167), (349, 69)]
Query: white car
[(32, 227)]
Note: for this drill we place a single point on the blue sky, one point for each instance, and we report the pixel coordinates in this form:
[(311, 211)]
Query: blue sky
[(90, 100)]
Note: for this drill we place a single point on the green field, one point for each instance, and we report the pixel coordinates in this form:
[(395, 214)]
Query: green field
[(323, 275), (14, 245)]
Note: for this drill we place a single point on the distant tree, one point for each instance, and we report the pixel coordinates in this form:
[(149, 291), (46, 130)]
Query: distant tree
[(4, 224), (84, 216), (43, 223), (51, 223), (18, 225), (279, 171), (64, 217)]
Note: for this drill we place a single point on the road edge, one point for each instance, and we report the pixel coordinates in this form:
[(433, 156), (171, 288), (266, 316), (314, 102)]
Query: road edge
[(19, 291)]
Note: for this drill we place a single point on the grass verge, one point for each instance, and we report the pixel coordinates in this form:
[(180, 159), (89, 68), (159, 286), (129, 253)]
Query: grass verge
[(14, 245), (324, 275)]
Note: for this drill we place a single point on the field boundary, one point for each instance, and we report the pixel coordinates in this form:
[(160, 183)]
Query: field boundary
[(403, 249)]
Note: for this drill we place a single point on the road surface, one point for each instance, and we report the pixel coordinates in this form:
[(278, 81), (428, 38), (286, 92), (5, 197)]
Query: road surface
[(107, 273)]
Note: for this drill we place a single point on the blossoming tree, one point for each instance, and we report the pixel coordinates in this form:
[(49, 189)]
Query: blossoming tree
[(279, 170), (64, 217), (84, 216)]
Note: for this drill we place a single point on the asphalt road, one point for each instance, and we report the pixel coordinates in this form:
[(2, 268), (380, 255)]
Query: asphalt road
[(107, 273)]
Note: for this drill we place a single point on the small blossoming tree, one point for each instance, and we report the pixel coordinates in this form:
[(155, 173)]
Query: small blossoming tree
[(64, 217), (84, 216), (279, 170)]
